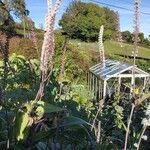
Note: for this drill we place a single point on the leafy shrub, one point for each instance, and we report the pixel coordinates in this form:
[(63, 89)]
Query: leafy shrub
[(23, 47), (38, 124), (86, 20)]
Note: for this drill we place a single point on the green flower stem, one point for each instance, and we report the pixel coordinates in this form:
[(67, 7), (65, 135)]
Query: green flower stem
[(144, 129)]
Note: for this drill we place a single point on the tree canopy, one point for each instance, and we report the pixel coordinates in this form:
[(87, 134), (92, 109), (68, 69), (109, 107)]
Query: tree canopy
[(9, 7), (128, 38), (83, 21)]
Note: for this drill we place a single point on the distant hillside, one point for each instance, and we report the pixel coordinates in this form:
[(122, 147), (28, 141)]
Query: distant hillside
[(113, 48), (80, 56)]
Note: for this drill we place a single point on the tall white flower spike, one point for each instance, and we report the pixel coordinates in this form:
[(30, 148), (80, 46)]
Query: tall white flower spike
[(101, 46), (48, 47)]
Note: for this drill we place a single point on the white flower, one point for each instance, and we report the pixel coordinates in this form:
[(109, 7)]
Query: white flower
[(148, 122), (136, 145), (148, 107), (145, 122), (144, 137), (147, 112)]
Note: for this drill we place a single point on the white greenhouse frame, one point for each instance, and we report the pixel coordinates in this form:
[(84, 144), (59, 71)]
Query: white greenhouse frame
[(99, 76)]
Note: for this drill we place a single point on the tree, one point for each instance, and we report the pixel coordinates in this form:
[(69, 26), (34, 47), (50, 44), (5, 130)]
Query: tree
[(110, 17), (141, 37), (146, 42), (127, 36), (9, 8), (83, 20)]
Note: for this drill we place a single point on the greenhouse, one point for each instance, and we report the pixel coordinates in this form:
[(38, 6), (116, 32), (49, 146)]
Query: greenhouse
[(116, 76)]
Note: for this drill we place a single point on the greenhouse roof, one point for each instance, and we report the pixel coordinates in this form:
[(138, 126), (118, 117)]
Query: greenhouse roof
[(115, 69)]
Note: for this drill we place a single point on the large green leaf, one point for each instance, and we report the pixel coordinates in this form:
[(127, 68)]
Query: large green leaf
[(44, 108), (22, 123), (35, 64), (23, 117), (67, 121), (15, 57)]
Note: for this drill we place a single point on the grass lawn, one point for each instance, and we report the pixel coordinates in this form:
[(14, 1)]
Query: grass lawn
[(112, 47)]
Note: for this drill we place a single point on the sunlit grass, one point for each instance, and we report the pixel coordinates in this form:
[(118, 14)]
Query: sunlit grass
[(112, 47)]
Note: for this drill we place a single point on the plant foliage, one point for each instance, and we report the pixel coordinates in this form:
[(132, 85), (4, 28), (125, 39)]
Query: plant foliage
[(86, 21)]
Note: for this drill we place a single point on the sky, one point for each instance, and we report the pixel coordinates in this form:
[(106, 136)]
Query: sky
[(38, 10)]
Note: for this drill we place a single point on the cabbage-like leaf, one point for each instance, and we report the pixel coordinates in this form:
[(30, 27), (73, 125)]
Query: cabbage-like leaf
[(21, 125), (46, 108)]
